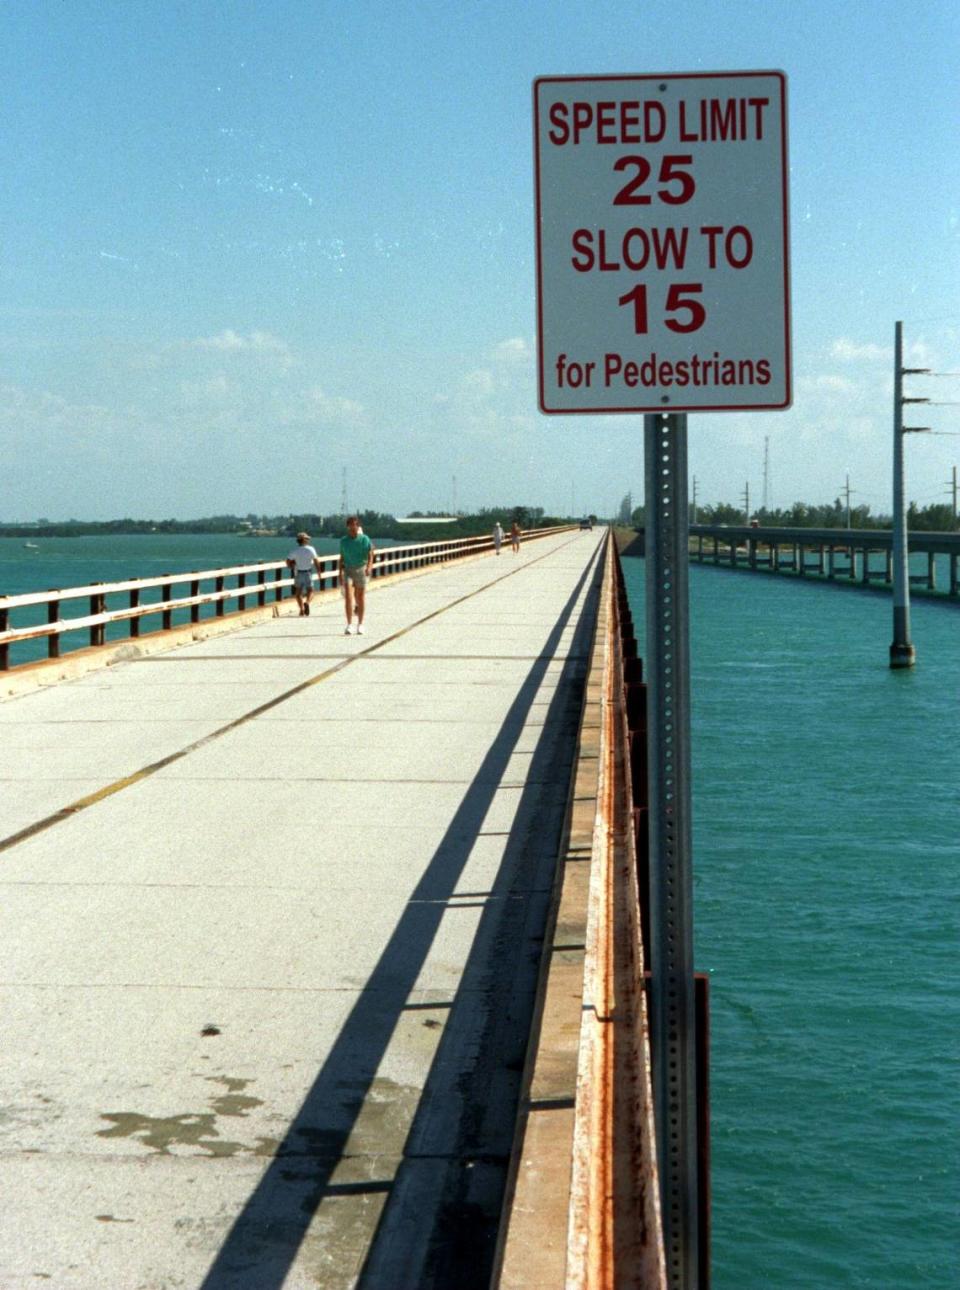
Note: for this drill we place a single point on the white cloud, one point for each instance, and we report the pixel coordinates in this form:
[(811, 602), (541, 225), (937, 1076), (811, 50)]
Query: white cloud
[(333, 407), (836, 384), (849, 351), (479, 382), (257, 342), (515, 350)]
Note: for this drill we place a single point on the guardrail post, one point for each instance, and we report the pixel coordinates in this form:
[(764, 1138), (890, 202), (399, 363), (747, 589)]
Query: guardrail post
[(218, 587), (279, 571), (166, 593), (241, 583), (5, 648), (261, 594), (195, 609), (97, 606), (134, 604), (53, 616)]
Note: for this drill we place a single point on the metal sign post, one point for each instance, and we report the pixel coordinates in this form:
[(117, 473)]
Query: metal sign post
[(663, 288), (673, 1021)]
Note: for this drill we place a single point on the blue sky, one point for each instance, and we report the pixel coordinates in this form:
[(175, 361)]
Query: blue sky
[(248, 245)]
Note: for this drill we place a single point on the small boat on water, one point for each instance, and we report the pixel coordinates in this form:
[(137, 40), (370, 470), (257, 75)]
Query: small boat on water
[(31, 546)]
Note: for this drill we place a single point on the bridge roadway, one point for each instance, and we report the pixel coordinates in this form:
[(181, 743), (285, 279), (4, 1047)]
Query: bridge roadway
[(271, 908)]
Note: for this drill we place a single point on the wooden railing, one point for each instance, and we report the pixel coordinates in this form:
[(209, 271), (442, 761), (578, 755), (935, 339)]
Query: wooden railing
[(179, 598)]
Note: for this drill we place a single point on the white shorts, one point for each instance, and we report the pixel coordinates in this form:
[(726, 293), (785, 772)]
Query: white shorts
[(357, 576), (304, 579)]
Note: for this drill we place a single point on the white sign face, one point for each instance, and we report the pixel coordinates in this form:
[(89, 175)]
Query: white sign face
[(662, 267)]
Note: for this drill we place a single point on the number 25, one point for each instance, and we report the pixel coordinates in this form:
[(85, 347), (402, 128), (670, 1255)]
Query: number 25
[(670, 172)]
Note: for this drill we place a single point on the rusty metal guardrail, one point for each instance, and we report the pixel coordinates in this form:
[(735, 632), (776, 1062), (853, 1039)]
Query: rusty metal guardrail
[(265, 582), (582, 1210)]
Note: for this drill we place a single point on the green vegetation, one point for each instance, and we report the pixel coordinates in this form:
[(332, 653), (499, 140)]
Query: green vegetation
[(937, 518), (375, 523)]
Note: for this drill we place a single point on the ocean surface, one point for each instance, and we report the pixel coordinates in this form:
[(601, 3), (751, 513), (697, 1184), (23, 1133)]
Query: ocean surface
[(827, 855), (826, 860), (38, 564)]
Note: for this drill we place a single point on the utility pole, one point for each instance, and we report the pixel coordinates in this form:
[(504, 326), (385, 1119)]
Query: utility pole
[(745, 498), (953, 489), (846, 490), (343, 494), (693, 504), (766, 472), (902, 653)]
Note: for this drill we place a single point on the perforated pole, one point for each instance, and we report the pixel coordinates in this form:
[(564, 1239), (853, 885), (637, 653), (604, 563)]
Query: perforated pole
[(673, 1021)]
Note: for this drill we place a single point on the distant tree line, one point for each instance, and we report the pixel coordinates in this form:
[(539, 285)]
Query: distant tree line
[(375, 523), (937, 517)]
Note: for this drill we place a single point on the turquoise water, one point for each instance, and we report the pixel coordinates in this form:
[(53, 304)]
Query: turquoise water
[(827, 859), (826, 862), (75, 561), (78, 561)]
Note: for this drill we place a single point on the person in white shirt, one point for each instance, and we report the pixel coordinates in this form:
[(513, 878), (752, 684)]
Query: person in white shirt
[(302, 561)]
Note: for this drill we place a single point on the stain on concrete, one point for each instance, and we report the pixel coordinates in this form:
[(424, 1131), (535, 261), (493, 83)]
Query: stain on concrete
[(193, 1128), (160, 1133), (232, 1102)]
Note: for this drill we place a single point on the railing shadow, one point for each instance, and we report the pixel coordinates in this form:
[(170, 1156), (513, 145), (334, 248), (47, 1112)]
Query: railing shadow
[(263, 1243)]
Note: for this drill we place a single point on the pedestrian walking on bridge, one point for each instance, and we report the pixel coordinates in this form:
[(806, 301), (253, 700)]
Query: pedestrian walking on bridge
[(356, 565), (302, 561)]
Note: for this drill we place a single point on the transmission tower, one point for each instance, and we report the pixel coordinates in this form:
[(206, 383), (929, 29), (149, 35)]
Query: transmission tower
[(847, 490), (766, 472)]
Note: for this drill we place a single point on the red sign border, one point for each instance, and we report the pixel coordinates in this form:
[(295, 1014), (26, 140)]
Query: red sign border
[(659, 407)]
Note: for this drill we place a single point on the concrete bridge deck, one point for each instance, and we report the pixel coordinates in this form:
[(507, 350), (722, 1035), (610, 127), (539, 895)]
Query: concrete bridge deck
[(271, 908)]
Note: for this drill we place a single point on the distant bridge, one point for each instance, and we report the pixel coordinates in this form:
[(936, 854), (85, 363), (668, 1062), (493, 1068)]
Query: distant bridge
[(863, 556)]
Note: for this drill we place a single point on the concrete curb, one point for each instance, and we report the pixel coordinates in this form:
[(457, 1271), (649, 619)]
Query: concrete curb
[(534, 1228)]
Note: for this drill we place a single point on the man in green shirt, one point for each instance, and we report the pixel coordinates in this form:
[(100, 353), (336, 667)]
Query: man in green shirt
[(356, 565)]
